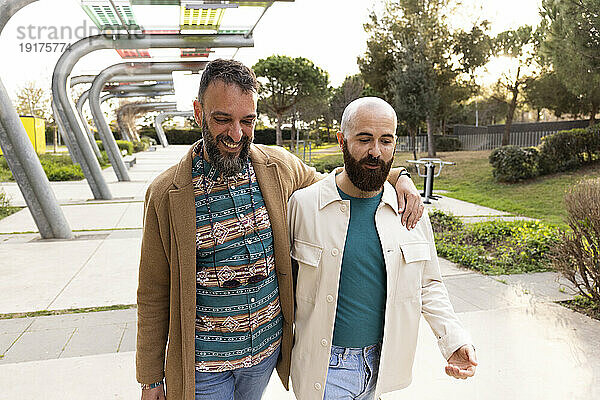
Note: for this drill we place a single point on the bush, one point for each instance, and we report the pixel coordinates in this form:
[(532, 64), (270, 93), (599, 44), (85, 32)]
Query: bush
[(328, 163), (569, 150), (122, 144), (444, 222), (495, 247), (63, 172), (577, 255), (514, 164), (140, 146), (447, 143)]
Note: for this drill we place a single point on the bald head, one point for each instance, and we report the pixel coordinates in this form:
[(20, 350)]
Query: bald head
[(372, 107)]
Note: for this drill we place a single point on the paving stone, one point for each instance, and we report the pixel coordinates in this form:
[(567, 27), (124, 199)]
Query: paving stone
[(39, 345), (92, 340), (129, 338), (14, 325), (84, 320)]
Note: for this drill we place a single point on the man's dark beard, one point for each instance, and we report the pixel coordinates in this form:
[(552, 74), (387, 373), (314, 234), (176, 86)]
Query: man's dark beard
[(227, 165), (367, 180)]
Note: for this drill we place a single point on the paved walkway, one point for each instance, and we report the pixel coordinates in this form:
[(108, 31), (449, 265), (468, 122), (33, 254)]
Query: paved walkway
[(528, 346)]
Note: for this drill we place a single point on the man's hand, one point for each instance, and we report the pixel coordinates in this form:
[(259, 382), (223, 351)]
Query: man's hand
[(409, 201), (462, 363), (158, 393)]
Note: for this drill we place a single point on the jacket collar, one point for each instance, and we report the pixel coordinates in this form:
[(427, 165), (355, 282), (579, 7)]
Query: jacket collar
[(183, 173), (328, 193)]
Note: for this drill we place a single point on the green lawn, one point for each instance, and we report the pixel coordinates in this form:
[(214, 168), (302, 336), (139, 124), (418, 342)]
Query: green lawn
[(471, 180)]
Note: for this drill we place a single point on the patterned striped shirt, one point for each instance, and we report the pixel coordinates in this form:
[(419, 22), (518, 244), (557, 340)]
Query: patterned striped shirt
[(235, 326)]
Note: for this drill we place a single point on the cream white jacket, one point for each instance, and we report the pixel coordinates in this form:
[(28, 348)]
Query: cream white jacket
[(318, 221)]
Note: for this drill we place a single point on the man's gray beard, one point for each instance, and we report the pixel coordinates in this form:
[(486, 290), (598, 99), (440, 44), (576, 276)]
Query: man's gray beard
[(227, 166)]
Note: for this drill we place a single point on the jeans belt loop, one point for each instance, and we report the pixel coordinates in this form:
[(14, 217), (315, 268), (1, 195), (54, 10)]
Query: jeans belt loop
[(345, 355)]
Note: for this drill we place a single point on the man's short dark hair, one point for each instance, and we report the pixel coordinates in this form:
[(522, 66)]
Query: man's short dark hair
[(227, 71)]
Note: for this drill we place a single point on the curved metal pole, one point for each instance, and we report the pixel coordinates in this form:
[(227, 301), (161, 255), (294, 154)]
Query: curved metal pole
[(84, 97), (79, 106), (67, 61), (108, 140), (160, 118), (125, 89), (79, 79), (22, 159), (142, 93)]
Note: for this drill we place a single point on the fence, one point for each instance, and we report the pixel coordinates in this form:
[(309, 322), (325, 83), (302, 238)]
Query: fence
[(490, 137)]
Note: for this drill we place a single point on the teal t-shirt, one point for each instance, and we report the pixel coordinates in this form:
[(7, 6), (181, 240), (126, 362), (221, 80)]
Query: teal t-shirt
[(362, 292)]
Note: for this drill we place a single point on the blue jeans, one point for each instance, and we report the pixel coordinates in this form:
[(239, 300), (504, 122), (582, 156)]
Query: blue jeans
[(352, 373), (238, 384)]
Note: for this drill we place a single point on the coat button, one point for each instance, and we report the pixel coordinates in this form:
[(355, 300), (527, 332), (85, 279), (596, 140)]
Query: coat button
[(343, 208), (323, 342), (335, 252), (329, 298), (318, 386)]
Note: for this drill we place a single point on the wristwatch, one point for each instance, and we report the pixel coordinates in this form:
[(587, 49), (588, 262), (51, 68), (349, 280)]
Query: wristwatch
[(404, 172), (151, 386)]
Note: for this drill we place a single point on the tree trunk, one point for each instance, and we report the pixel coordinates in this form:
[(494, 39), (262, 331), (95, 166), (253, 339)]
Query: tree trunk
[(294, 136), (430, 139), (512, 106), (593, 112), (278, 136), (413, 141)]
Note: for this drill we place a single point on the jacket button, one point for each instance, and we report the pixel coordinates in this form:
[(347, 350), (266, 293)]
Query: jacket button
[(335, 252), (343, 208), (329, 298), (323, 342), (318, 386)]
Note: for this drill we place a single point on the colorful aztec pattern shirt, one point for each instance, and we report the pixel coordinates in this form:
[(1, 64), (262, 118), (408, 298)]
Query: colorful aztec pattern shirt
[(235, 327)]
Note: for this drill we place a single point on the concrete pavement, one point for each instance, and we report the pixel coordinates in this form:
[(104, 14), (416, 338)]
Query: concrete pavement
[(528, 347)]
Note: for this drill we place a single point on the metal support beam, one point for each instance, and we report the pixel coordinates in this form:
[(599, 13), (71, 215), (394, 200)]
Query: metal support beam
[(108, 140), (22, 159), (160, 118), (76, 80), (162, 89), (64, 66)]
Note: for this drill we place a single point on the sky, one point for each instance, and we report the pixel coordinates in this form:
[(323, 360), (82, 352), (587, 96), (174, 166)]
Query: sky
[(328, 32)]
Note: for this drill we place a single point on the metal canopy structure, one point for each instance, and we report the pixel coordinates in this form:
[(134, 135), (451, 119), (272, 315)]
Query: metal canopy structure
[(159, 89), (104, 131), (135, 29), (160, 118)]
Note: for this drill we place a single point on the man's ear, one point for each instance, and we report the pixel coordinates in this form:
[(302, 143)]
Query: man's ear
[(198, 112), (340, 138)]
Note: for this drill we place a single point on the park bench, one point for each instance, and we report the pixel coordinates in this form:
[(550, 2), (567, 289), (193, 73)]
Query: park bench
[(129, 161), (428, 174)]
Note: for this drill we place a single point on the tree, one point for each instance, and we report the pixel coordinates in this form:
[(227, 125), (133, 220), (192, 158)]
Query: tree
[(411, 42), (34, 100), (287, 82), (350, 90), (519, 45), (572, 47), (547, 91)]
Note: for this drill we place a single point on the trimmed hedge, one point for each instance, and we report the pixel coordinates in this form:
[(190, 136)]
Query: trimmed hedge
[(514, 164), (447, 143), (559, 152), (56, 167), (569, 150), (191, 136), (122, 144)]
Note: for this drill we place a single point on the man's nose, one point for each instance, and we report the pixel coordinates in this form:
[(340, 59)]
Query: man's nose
[(236, 133), (375, 151)]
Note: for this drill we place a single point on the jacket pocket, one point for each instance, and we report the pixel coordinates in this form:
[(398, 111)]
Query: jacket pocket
[(308, 256), (410, 271)]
